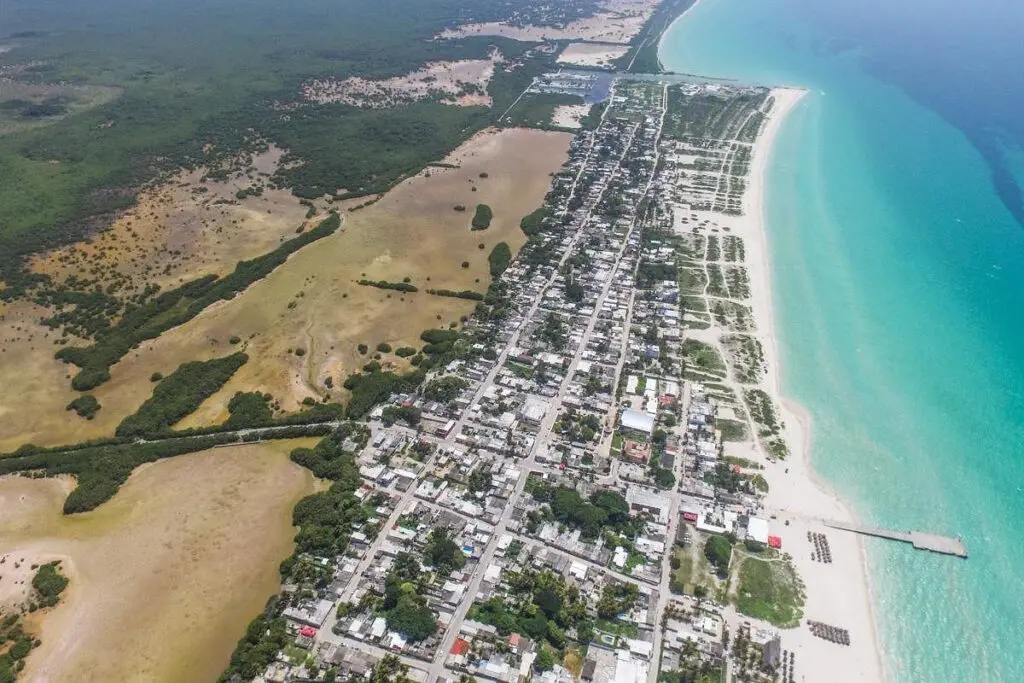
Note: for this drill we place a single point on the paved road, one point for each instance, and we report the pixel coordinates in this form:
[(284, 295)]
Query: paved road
[(543, 433)]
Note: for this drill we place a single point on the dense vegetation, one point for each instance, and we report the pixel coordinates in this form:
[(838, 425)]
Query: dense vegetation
[(544, 606), (463, 294), (643, 53), (101, 469), (326, 521), (49, 583), (718, 551), (179, 394), (404, 606), (372, 388), (444, 389), (532, 222), (616, 598), (176, 307), (442, 553), (85, 405), (189, 98), (15, 645), (482, 217), (536, 110), (602, 510), (384, 284), (499, 259)]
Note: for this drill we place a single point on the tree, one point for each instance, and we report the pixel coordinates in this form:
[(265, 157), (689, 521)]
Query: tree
[(479, 480), (389, 669), (718, 550), (443, 553), (411, 616), (545, 660), (548, 601), (444, 389), (613, 504), (499, 259)]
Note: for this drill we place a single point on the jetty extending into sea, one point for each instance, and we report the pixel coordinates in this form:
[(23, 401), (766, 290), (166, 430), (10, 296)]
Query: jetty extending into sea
[(943, 545)]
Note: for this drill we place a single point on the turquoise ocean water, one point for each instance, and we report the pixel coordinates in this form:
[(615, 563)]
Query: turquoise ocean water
[(898, 288)]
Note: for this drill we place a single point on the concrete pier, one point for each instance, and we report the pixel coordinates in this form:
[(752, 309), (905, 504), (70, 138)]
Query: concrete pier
[(943, 545)]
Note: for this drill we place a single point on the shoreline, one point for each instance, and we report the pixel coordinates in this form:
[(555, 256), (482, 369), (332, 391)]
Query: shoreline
[(798, 496), (668, 29)]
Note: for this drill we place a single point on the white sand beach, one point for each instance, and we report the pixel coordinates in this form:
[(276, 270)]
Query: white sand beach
[(837, 593)]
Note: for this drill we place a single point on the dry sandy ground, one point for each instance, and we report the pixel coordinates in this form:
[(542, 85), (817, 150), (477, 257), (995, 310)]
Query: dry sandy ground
[(591, 54), (617, 22), (165, 576), (310, 302), (569, 115), (447, 79), (837, 593)]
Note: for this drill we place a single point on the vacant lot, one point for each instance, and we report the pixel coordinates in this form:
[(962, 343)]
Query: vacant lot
[(164, 577)]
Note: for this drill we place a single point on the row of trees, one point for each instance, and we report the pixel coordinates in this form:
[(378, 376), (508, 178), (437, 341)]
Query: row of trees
[(179, 394)]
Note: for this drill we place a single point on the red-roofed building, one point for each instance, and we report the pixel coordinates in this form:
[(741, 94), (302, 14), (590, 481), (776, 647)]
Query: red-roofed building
[(513, 642), (460, 647), (774, 542), (307, 632)]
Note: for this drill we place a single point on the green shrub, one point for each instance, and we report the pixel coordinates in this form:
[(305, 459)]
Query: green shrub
[(500, 258), (482, 217), (532, 223), (85, 405)]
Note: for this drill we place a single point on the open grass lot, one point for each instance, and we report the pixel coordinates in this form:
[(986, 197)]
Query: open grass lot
[(770, 590), (169, 572)]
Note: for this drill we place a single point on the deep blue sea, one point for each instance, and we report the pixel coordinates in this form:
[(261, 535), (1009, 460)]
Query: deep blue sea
[(896, 231)]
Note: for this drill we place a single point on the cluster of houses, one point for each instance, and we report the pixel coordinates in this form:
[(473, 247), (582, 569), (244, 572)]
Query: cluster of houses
[(582, 387)]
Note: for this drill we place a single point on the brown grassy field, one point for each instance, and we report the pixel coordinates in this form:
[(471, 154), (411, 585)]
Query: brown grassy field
[(165, 576), (185, 228), (311, 302)]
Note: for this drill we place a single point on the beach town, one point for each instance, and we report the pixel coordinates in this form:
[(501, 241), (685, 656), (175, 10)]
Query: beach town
[(618, 469), (612, 486)]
